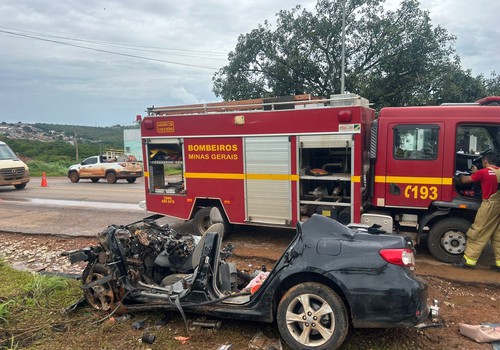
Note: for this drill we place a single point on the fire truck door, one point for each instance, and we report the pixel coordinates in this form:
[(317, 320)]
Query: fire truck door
[(414, 168), (267, 184)]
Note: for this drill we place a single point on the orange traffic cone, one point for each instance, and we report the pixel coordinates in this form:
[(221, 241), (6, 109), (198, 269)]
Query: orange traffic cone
[(44, 180)]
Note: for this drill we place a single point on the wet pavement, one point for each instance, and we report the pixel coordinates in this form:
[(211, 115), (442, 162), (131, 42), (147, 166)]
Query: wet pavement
[(71, 218)]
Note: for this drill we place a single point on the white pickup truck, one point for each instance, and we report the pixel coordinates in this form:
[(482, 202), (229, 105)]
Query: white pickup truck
[(102, 167)]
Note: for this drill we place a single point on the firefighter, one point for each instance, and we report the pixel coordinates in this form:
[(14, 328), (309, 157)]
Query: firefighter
[(487, 222)]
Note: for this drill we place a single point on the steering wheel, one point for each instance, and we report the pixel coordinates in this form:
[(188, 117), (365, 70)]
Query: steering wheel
[(481, 155)]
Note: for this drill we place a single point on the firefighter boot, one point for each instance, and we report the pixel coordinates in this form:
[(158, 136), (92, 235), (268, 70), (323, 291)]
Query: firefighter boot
[(463, 265)]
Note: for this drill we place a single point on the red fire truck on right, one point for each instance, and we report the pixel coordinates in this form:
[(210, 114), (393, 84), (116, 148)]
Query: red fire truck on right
[(269, 163)]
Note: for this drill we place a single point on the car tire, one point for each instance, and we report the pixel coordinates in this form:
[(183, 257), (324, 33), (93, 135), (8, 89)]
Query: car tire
[(111, 177), (20, 186), (94, 179), (74, 177), (131, 180), (307, 327), (447, 238)]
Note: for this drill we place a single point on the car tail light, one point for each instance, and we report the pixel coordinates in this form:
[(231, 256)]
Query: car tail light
[(403, 257)]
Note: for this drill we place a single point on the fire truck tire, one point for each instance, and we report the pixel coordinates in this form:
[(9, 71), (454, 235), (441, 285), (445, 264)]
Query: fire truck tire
[(201, 222), (447, 238), (73, 177), (111, 177), (344, 216), (94, 179), (131, 180)]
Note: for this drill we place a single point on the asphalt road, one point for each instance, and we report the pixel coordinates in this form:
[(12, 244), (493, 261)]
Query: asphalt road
[(75, 209)]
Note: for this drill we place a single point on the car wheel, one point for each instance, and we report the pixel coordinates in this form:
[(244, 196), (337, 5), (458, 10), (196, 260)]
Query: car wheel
[(20, 186), (111, 177), (101, 296), (312, 316), (94, 179), (447, 239), (74, 177), (131, 180)]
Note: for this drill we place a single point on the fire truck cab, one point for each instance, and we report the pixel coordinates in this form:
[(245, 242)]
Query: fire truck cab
[(275, 162)]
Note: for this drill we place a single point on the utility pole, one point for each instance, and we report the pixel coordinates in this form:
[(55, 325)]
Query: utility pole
[(76, 147), (342, 69)]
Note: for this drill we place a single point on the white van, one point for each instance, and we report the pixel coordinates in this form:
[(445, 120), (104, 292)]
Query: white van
[(13, 171)]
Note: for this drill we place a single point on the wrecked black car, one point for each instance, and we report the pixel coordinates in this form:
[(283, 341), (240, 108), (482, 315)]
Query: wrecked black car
[(329, 277)]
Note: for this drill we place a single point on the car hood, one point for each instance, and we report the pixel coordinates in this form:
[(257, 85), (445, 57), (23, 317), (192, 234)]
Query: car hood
[(12, 163)]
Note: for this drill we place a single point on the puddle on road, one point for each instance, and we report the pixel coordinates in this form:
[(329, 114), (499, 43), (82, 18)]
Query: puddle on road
[(98, 205)]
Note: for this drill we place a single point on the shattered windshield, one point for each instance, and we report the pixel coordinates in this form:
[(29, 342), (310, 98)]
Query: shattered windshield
[(6, 153)]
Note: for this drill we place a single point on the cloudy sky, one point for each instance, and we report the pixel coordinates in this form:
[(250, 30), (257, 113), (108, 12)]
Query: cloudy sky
[(153, 52)]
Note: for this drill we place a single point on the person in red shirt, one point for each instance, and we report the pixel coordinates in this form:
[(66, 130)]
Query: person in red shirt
[(486, 225)]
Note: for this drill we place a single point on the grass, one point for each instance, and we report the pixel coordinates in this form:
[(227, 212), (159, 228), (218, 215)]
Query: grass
[(30, 304), (59, 168)]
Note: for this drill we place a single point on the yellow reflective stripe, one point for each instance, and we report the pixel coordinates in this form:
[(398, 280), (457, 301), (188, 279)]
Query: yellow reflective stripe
[(233, 176), (146, 174), (415, 180), (227, 176), (470, 262), (356, 178)]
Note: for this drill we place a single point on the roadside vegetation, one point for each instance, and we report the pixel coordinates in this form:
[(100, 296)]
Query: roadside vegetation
[(54, 157)]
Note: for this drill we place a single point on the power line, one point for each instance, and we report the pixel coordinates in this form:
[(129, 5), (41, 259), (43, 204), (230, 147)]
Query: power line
[(106, 51), (130, 46)]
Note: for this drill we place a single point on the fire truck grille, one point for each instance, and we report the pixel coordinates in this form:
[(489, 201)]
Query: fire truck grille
[(12, 173)]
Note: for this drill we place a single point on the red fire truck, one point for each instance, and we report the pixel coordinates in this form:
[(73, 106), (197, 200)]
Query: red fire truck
[(275, 162)]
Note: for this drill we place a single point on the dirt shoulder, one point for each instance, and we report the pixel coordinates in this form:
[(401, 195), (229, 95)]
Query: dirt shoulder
[(471, 297)]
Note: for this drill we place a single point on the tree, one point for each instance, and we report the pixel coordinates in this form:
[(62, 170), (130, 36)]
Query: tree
[(392, 57), (493, 85)]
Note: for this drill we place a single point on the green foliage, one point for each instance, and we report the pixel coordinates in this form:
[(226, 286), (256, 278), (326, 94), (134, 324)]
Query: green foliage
[(493, 85), (4, 310), (106, 136), (58, 168), (50, 151), (30, 305), (39, 288), (393, 58), (54, 157)]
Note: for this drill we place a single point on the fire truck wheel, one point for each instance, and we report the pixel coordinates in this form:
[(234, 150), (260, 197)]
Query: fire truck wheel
[(201, 222), (95, 179), (73, 177), (447, 239), (344, 216), (131, 180), (111, 177)]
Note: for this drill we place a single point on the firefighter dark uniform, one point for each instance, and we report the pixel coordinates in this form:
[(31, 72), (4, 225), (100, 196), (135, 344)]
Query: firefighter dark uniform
[(486, 225)]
